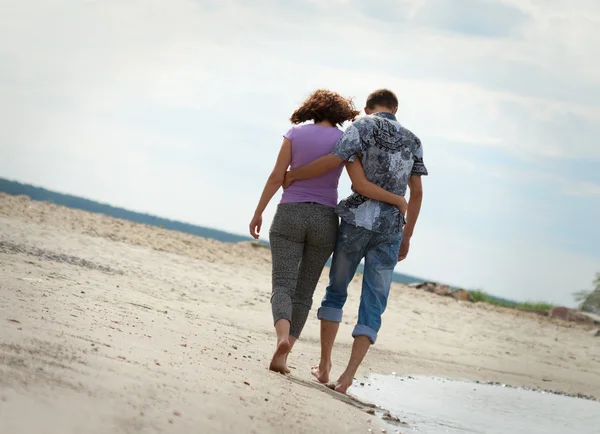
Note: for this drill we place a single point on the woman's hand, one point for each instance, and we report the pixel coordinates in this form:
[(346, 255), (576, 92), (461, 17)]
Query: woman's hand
[(255, 225), (402, 204), (272, 185)]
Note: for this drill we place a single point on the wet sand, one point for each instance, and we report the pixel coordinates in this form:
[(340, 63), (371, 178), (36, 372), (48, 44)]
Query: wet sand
[(437, 405), (111, 326)]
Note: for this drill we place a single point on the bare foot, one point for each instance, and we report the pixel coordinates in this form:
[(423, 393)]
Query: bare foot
[(343, 384), (321, 372), (278, 363)]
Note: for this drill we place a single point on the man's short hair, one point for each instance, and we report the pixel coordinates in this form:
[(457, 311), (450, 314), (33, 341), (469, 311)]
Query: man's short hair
[(382, 98)]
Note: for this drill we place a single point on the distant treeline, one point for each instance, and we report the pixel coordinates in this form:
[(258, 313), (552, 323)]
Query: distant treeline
[(41, 194)]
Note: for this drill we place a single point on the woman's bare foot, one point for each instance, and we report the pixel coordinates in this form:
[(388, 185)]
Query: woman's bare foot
[(321, 372), (278, 362), (343, 384)]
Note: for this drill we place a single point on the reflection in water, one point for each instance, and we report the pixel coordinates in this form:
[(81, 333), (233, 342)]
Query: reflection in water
[(434, 405)]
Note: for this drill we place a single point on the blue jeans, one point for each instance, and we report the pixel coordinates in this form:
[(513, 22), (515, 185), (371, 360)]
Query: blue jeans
[(380, 252)]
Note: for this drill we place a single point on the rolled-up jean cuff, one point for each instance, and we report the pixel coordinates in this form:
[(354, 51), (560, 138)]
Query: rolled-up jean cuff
[(363, 330), (330, 314)]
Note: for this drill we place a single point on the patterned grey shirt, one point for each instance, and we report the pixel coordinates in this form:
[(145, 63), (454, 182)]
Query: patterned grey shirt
[(390, 154)]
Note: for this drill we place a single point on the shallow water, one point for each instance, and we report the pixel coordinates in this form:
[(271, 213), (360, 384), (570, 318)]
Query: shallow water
[(435, 405)]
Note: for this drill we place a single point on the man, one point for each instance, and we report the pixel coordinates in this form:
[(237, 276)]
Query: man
[(392, 158)]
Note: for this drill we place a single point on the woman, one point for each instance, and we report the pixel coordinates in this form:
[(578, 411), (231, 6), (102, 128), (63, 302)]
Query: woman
[(304, 228)]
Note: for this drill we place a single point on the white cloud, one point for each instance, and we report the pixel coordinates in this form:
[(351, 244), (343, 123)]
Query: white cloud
[(101, 54), (585, 189)]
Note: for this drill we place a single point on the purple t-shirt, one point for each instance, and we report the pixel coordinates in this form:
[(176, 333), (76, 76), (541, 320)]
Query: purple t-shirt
[(310, 142)]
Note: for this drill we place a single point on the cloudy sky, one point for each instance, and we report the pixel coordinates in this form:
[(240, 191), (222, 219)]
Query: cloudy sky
[(177, 109)]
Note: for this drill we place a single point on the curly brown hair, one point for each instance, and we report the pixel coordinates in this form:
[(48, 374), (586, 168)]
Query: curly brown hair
[(325, 105)]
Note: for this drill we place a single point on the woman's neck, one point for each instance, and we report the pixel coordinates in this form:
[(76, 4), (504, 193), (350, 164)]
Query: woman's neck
[(324, 123)]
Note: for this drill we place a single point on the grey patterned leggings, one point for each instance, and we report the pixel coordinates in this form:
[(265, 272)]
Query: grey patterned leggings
[(302, 238)]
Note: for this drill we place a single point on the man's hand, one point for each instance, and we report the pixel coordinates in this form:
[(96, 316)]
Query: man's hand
[(287, 180), (255, 225), (414, 207), (404, 247), (402, 205)]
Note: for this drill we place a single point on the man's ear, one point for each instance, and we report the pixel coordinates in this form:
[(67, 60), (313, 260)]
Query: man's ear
[(368, 111), (395, 110)]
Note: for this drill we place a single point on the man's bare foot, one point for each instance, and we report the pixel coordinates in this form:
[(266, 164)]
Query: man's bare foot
[(278, 363), (343, 384), (321, 372)]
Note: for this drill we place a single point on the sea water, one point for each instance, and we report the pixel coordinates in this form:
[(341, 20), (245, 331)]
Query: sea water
[(435, 405)]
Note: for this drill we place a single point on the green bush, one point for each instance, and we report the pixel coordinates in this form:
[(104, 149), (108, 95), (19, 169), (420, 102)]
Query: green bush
[(483, 297)]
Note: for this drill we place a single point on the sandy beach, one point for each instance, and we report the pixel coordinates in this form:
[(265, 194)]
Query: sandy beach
[(107, 326)]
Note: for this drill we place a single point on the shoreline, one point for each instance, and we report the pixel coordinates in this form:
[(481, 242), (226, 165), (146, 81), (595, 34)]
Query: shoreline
[(149, 330)]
